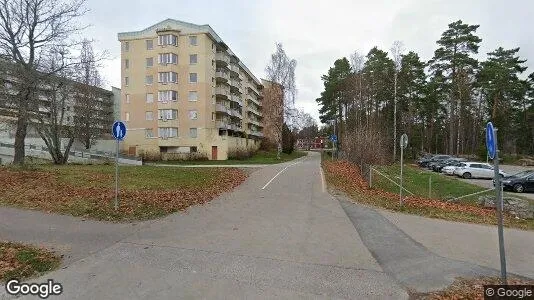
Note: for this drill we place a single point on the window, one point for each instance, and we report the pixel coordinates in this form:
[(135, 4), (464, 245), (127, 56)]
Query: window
[(168, 39), (149, 115), (149, 98), (149, 62), (126, 46), (192, 132), (164, 96), (149, 44), (149, 79), (167, 58), (167, 132), (192, 77), (193, 40), (193, 114), (193, 149), (127, 117), (193, 96), (126, 63), (149, 133), (166, 77), (213, 116), (193, 58), (167, 114), (127, 98), (126, 81)]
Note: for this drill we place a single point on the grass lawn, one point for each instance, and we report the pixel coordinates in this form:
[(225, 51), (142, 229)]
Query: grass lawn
[(18, 261), (147, 192), (260, 158), (346, 177)]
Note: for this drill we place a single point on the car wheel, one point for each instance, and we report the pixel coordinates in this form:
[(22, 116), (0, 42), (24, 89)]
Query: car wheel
[(518, 188), (466, 175)]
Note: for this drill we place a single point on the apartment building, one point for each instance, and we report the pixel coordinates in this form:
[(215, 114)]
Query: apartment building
[(185, 91), (89, 108)]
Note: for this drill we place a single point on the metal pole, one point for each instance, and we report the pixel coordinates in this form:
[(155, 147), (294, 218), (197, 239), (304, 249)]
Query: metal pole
[(117, 178), (499, 208), (402, 162)]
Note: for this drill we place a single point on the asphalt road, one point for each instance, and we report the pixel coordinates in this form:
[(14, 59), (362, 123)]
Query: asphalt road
[(278, 235)]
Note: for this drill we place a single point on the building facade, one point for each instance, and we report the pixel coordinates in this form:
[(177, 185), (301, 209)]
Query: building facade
[(184, 91)]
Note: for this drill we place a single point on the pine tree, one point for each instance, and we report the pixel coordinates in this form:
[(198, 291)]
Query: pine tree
[(453, 59)]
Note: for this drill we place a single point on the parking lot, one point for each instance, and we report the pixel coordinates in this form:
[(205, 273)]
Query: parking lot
[(509, 169)]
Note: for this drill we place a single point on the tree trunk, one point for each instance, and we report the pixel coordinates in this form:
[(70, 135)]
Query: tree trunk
[(20, 135)]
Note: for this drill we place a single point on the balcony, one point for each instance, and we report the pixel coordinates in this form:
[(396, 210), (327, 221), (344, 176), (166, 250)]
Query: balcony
[(254, 111), (222, 57), (256, 133), (222, 91), (236, 99), (236, 113), (221, 124), (221, 75), (236, 83), (234, 68), (221, 108), (254, 100), (253, 88), (254, 122)]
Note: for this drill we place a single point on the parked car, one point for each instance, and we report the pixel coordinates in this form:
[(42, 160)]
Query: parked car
[(454, 162), (519, 182), (476, 170), (449, 170), (434, 159)]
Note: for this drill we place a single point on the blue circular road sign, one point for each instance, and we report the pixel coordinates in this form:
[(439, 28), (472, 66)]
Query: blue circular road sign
[(118, 130), (490, 140)]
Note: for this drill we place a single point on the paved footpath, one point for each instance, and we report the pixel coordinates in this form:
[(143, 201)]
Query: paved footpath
[(278, 235)]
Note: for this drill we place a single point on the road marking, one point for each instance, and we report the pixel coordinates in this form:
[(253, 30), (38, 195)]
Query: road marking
[(281, 171), (322, 180)]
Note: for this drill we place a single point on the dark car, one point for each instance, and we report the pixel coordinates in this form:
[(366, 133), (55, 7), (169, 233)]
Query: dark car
[(520, 182), (424, 159), (449, 162), (434, 159)]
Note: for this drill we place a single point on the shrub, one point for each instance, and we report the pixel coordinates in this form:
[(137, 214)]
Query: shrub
[(240, 154), (288, 140)]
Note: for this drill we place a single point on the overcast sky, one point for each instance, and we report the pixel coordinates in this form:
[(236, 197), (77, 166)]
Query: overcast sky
[(316, 33)]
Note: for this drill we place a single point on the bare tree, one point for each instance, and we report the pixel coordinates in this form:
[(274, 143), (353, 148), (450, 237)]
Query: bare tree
[(51, 120), (88, 107), (396, 51), (29, 31), (281, 71)]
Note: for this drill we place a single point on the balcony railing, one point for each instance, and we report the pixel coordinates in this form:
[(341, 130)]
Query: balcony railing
[(221, 108), (222, 91), (222, 57), (234, 68), (219, 74), (253, 100), (221, 124), (254, 111), (253, 88), (236, 99), (255, 122)]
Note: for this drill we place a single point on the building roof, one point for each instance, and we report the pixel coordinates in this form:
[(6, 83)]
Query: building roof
[(185, 27)]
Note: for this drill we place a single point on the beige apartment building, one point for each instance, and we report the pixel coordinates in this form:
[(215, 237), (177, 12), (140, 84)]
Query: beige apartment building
[(185, 91)]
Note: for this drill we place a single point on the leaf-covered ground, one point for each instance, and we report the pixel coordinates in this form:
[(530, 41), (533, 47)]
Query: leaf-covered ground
[(18, 261), (89, 190), (347, 178), (468, 289)]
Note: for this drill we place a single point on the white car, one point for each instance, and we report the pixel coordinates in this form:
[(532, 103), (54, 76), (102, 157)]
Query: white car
[(476, 170), (448, 170)]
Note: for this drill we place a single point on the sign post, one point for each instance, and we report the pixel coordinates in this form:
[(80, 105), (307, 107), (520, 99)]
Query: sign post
[(333, 138), (493, 153), (403, 145), (119, 132)]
